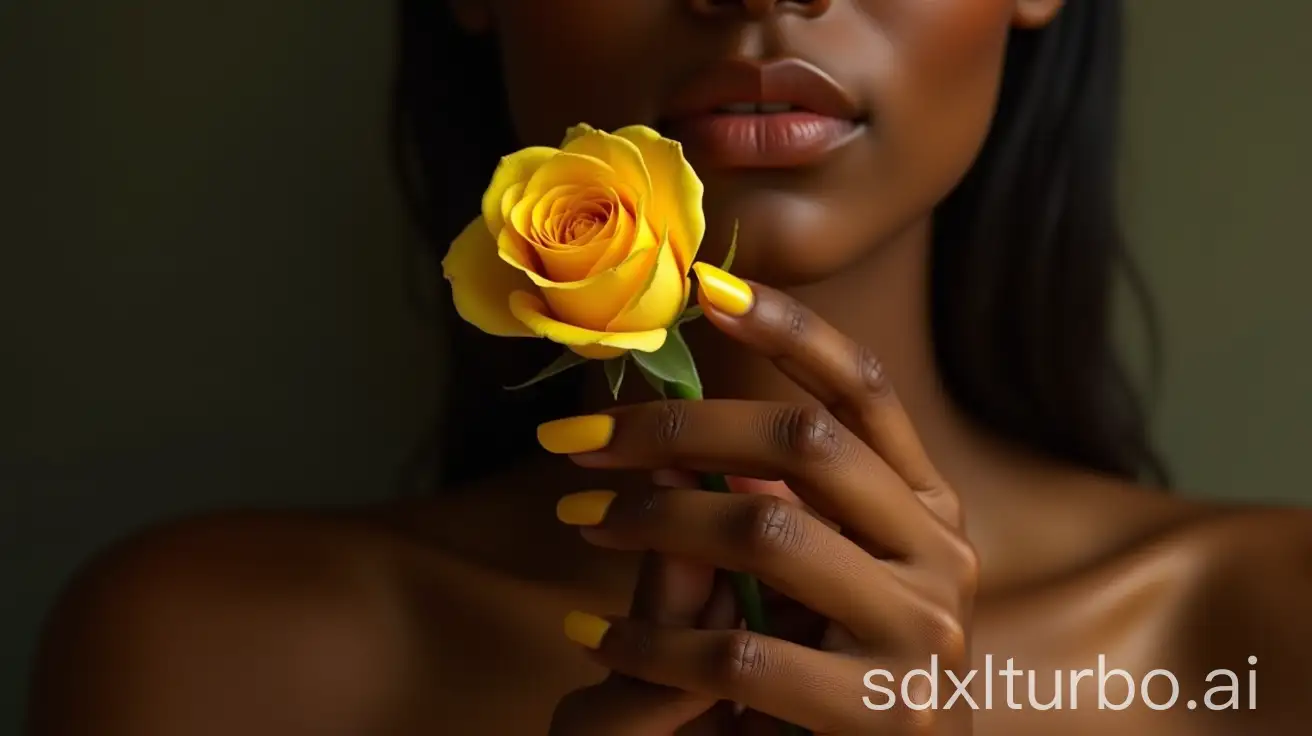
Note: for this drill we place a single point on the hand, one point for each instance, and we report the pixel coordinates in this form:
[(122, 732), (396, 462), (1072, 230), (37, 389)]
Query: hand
[(894, 587)]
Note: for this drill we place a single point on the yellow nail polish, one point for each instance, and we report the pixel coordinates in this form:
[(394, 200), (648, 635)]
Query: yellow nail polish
[(723, 290), (584, 509), (576, 434), (585, 629)]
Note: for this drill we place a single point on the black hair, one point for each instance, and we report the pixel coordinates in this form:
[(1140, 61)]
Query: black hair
[(1026, 254)]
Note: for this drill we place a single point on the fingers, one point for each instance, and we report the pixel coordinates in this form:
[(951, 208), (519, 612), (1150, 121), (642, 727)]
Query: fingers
[(842, 374), (670, 592), (787, 548), (820, 691), (821, 460)]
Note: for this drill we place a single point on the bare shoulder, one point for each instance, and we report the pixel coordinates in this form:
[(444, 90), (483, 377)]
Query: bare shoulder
[(1249, 564), (1236, 624), (1207, 606), (1261, 550), (281, 624), (1237, 564), (1251, 567), (195, 625)]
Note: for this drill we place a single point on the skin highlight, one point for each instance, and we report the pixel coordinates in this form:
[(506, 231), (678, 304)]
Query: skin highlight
[(890, 521)]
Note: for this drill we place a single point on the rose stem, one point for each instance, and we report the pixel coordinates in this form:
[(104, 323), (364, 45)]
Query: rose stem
[(747, 589)]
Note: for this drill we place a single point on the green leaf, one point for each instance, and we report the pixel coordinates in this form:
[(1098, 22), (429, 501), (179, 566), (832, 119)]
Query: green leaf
[(673, 363), (690, 314), (656, 384), (733, 249), (615, 374), (566, 361)]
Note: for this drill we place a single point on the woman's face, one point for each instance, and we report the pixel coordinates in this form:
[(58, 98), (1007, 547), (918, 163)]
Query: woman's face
[(824, 127)]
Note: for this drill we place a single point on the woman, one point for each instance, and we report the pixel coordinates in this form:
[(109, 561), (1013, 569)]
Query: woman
[(937, 191)]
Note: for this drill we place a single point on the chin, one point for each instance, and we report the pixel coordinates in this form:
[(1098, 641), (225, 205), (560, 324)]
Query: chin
[(787, 238)]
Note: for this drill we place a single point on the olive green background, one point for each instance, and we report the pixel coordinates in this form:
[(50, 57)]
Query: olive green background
[(204, 264)]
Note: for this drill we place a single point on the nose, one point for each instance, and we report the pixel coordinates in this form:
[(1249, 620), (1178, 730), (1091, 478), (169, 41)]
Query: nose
[(760, 9)]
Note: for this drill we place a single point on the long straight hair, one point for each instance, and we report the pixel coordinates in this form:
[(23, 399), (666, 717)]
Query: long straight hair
[(1026, 251)]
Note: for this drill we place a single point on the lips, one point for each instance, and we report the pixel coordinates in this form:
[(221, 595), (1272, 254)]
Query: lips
[(781, 114)]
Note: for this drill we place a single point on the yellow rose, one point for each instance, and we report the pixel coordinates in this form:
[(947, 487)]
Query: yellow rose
[(588, 245)]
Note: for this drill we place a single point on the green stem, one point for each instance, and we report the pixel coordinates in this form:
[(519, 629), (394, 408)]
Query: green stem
[(746, 588)]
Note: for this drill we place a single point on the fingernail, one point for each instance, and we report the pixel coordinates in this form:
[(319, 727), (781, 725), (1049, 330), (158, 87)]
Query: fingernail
[(723, 290), (585, 629), (576, 434), (584, 509)]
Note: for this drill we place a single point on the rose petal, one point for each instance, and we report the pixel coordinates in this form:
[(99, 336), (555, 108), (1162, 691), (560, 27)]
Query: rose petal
[(560, 210), (574, 132), (562, 214), (531, 310), (621, 153), (627, 214), (514, 250), (516, 168), (597, 352), (676, 200), (481, 283), (520, 219), (562, 170), (509, 199), (660, 303), (557, 198), (597, 300), (517, 251), (563, 262), (566, 169)]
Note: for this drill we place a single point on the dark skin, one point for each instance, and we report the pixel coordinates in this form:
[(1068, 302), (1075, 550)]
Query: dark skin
[(891, 527)]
